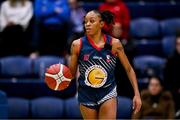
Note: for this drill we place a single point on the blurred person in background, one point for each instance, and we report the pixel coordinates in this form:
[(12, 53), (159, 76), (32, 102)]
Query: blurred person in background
[(76, 24), (156, 102), (53, 17), (15, 17), (120, 28), (172, 73)]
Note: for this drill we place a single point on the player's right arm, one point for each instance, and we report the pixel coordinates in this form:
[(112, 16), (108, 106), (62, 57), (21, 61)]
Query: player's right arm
[(75, 48)]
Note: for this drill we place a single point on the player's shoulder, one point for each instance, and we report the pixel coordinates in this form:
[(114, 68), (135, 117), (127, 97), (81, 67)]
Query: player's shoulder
[(115, 41), (116, 45), (76, 45), (76, 42)]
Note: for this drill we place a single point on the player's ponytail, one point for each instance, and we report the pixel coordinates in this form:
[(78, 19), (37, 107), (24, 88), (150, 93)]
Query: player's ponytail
[(107, 17)]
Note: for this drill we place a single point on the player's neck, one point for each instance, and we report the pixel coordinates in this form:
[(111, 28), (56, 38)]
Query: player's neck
[(97, 37)]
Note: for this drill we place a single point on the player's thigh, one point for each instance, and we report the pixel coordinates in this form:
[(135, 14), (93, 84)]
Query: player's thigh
[(108, 109), (88, 113)]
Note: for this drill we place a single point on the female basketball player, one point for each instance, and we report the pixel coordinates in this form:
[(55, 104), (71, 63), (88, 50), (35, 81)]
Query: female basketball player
[(95, 54)]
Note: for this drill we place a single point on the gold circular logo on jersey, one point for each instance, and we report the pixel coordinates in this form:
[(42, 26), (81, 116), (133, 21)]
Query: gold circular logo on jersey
[(95, 76)]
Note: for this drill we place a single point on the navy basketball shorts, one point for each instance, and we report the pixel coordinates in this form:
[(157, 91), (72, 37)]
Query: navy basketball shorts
[(94, 97)]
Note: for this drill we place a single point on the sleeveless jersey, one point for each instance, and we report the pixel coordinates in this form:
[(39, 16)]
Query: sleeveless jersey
[(96, 65)]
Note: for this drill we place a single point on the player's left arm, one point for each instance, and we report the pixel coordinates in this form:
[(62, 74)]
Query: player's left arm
[(118, 49)]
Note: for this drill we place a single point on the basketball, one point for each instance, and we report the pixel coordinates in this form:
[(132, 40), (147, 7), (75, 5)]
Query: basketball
[(58, 77)]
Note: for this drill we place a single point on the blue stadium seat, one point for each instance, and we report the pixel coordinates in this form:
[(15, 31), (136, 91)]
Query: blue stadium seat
[(47, 108), (154, 9), (148, 61), (168, 45), (145, 28), (72, 110), (41, 63), (143, 83), (16, 66), (138, 10), (18, 108), (124, 109), (148, 47), (149, 65), (169, 26), (3, 105)]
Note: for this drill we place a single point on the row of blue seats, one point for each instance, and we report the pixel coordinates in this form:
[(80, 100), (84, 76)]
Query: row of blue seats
[(164, 47), (158, 10), (30, 88), (21, 66), (44, 107), (149, 65), (152, 28), (51, 108), (154, 10)]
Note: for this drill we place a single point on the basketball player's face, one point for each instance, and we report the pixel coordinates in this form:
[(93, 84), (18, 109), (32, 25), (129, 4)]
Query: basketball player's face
[(92, 23)]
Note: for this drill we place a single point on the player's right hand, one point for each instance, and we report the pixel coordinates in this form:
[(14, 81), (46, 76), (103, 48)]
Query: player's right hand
[(137, 103)]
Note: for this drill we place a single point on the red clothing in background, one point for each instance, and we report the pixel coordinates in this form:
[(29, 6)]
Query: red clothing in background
[(122, 16)]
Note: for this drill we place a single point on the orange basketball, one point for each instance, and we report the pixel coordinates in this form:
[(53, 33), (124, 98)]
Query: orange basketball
[(58, 77)]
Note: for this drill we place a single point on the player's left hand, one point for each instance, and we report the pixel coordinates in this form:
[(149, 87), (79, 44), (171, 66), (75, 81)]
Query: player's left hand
[(137, 103)]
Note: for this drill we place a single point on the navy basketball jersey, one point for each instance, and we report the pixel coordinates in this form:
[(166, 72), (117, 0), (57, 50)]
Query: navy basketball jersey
[(96, 65)]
